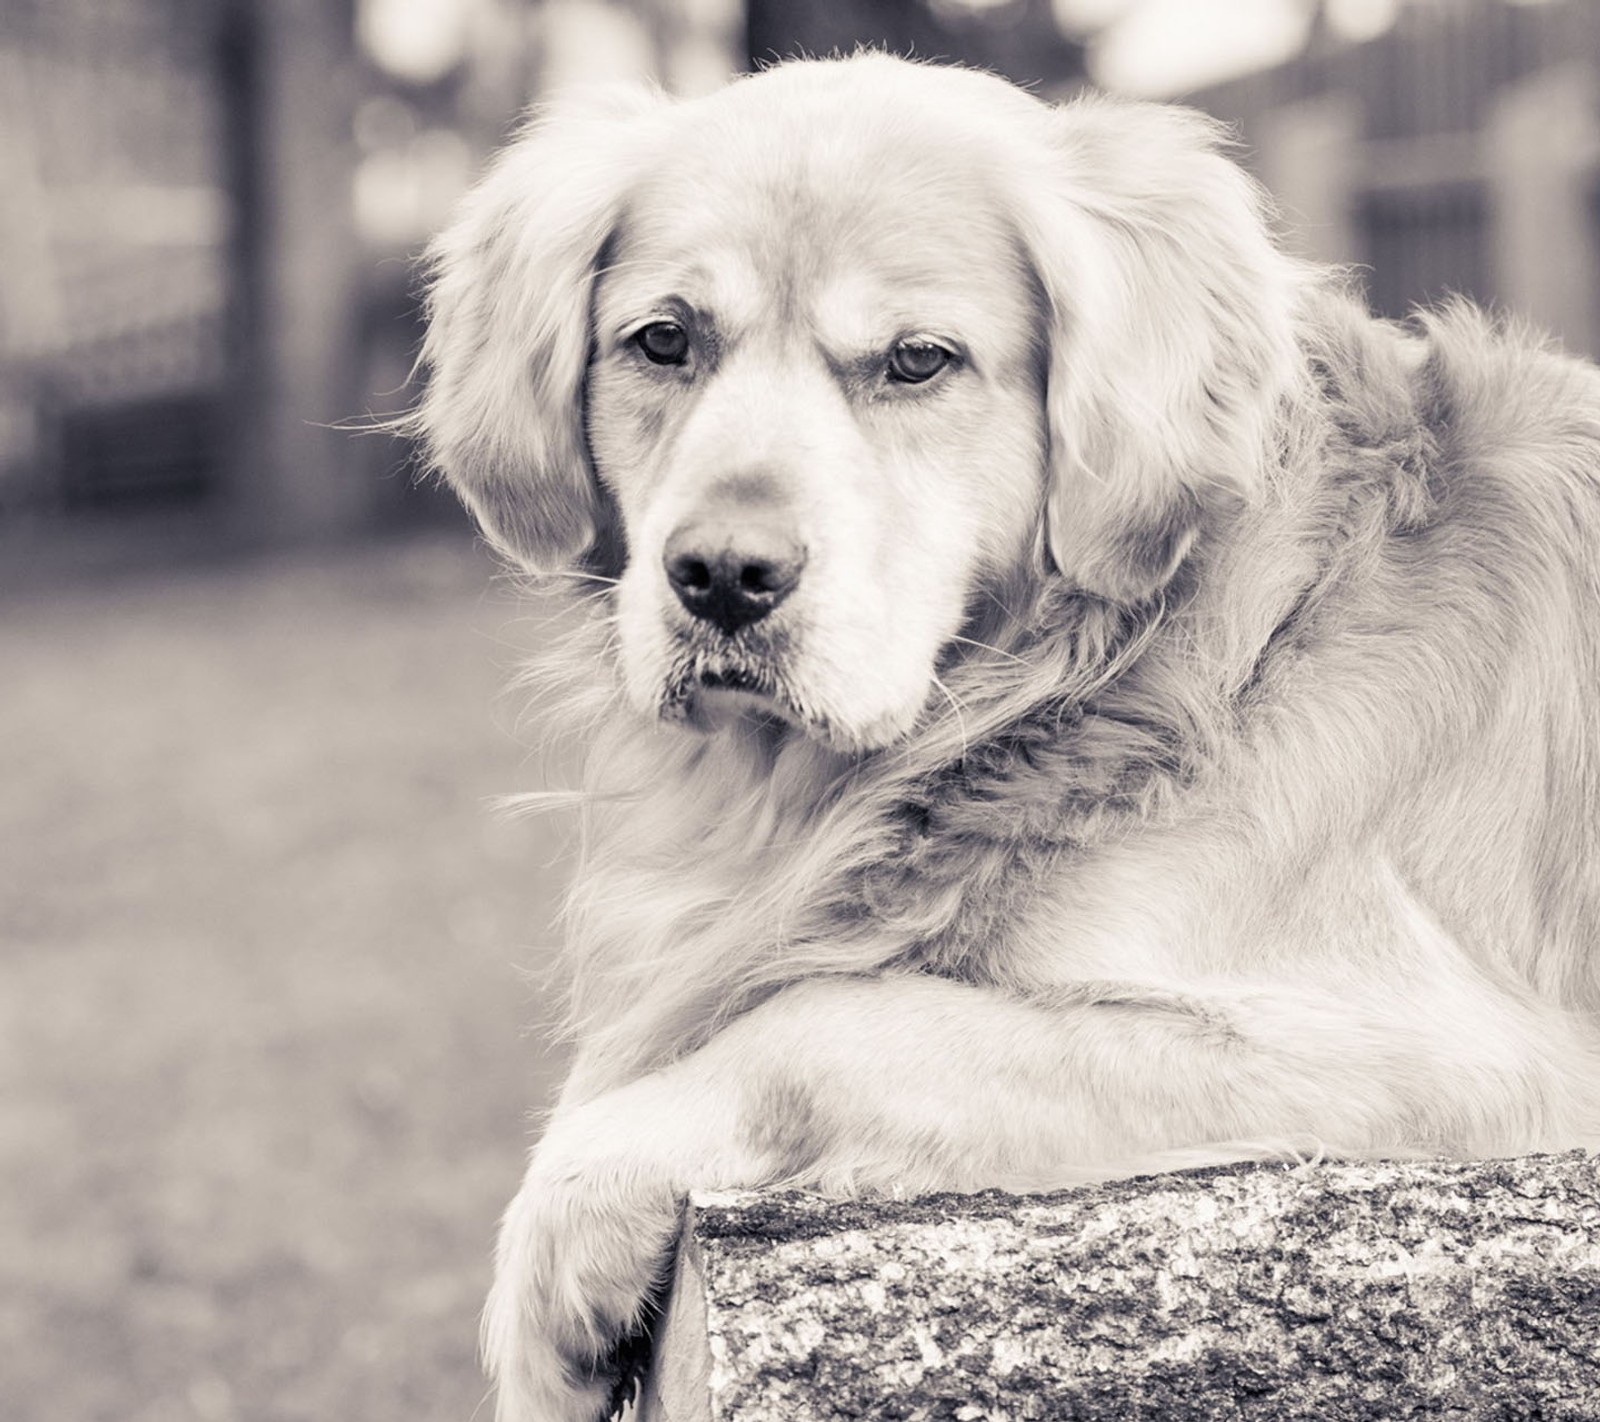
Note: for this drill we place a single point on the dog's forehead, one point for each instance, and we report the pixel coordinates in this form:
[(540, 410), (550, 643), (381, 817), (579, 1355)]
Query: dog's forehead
[(833, 160), (793, 217)]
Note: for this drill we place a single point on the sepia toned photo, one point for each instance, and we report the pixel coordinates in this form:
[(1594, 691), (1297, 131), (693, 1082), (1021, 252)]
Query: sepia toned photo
[(812, 710)]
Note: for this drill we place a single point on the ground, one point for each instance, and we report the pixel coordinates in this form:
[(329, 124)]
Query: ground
[(267, 1042)]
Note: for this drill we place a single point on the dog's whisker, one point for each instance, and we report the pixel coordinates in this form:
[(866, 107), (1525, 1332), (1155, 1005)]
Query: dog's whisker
[(579, 575), (990, 647), (955, 706)]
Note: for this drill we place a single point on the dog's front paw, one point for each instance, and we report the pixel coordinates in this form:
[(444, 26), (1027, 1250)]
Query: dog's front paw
[(582, 1251)]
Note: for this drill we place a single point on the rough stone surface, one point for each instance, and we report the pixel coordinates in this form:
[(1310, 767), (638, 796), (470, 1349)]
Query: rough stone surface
[(1464, 1290)]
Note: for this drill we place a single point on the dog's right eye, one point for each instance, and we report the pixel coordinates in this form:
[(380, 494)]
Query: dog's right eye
[(914, 362), (664, 343)]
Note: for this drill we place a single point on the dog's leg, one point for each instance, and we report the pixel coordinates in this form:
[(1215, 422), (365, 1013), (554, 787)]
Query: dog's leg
[(914, 1083)]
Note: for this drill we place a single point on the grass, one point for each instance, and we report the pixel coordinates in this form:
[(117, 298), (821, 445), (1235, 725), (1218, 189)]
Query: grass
[(266, 1073)]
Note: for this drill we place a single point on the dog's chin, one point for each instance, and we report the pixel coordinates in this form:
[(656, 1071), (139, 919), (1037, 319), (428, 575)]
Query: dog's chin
[(710, 685), (716, 705), (709, 709), (710, 690)]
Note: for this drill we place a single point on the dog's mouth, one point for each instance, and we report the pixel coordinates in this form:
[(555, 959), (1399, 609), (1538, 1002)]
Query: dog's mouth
[(715, 682), (735, 679), (710, 686)]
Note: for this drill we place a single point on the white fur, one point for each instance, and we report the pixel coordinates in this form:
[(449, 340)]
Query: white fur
[(1181, 744)]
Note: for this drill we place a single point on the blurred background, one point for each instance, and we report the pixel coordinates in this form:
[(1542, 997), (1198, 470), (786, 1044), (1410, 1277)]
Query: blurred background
[(271, 973)]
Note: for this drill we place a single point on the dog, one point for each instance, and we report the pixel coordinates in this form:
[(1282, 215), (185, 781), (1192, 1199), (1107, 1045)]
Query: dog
[(1068, 693)]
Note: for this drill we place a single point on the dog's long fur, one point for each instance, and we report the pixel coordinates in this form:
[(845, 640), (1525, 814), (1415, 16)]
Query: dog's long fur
[(1182, 744)]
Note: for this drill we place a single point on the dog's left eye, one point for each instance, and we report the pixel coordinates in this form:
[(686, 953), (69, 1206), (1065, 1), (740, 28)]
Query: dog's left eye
[(664, 343), (913, 362)]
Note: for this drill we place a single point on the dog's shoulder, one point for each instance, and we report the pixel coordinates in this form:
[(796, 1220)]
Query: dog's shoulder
[(1468, 419), (1500, 399)]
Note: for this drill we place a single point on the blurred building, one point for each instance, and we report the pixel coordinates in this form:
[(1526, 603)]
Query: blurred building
[(1022, 39), (1457, 150)]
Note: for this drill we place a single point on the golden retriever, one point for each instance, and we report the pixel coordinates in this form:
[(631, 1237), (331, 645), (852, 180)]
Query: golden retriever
[(1068, 692)]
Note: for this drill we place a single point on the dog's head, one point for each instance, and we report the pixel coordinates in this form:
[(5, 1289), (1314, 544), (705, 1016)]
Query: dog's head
[(814, 364)]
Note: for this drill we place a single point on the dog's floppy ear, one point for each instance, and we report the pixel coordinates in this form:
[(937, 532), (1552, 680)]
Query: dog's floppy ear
[(508, 324), (1169, 315)]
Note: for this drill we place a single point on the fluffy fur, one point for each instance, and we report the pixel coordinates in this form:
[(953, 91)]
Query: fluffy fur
[(1180, 744)]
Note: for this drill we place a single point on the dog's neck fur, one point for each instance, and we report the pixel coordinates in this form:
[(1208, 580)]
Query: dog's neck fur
[(718, 869)]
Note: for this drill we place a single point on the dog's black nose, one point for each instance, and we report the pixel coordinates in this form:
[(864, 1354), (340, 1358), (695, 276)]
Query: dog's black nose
[(731, 575)]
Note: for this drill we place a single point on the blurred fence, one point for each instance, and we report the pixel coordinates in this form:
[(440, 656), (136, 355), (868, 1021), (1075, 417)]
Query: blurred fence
[(1457, 152), (115, 280), (189, 311)]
